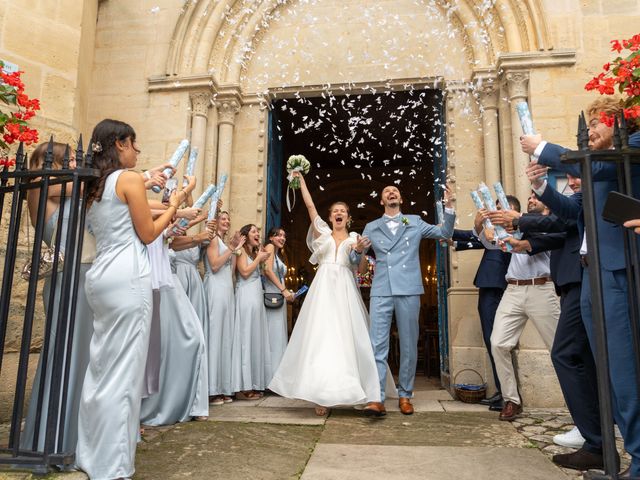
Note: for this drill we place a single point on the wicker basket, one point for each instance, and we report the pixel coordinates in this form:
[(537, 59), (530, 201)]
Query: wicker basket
[(469, 392)]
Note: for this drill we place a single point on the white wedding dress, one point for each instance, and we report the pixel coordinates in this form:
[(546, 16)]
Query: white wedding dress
[(329, 360)]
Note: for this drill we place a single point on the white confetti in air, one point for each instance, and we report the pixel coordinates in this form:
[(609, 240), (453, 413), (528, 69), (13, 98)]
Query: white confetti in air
[(361, 205), (155, 10), (373, 194)]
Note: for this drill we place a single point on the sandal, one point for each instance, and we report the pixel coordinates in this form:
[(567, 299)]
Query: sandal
[(201, 418), (217, 400), (248, 395), (227, 399)]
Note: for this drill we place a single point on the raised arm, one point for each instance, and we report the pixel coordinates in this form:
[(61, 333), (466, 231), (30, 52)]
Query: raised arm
[(189, 241), (246, 269), (306, 196), (217, 259), (130, 190)]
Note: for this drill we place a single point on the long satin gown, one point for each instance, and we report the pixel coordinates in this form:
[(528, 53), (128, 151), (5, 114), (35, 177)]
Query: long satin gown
[(276, 317), (118, 287), (251, 354), (183, 366), (186, 262), (329, 360), (82, 332), (220, 296)]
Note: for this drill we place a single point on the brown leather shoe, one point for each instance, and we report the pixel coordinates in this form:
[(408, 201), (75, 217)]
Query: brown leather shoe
[(405, 406), (510, 411), (375, 409)]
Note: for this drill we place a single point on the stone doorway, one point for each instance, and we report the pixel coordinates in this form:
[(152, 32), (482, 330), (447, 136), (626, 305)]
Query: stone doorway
[(357, 144)]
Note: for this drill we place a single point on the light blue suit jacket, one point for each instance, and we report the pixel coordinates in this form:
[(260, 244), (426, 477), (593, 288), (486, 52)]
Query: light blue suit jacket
[(397, 256)]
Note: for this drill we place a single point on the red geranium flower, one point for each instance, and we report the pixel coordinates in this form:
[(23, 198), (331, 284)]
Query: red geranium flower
[(621, 75)]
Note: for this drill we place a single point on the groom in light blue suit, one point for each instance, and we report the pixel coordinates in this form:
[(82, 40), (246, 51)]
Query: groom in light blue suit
[(397, 286)]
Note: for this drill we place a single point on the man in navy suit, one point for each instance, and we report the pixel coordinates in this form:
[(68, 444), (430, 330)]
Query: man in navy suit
[(571, 354), (491, 282), (622, 369)]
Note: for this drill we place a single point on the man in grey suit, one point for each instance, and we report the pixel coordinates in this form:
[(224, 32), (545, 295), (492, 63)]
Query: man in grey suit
[(397, 286)]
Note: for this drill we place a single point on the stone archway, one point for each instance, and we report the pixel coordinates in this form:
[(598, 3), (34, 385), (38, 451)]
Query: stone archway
[(228, 55)]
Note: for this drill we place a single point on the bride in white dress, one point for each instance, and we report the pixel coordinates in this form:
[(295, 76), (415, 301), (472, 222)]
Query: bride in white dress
[(329, 360)]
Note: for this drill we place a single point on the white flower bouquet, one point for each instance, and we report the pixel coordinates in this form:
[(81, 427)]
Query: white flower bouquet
[(297, 163)]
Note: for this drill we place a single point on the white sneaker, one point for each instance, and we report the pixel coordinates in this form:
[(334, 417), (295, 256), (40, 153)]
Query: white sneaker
[(571, 439)]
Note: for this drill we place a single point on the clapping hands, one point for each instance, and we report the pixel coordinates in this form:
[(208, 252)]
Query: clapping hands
[(238, 241), (262, 255)]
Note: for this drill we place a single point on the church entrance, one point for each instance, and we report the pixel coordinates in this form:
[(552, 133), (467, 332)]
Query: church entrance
[(358, 143)]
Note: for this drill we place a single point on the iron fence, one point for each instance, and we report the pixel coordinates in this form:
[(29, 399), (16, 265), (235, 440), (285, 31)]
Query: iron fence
[(15, 185), (623, 157)]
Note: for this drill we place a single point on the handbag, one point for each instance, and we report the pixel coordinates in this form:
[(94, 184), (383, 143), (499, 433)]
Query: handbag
[(45, 267), (47, 257), (273, 300)]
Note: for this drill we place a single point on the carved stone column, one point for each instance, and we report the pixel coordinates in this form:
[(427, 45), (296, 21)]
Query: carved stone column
[(518, 88), (490, 132), (227, 111), (200, 104)]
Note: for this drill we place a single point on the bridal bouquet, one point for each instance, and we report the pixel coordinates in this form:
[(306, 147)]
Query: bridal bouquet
[(297, 163)]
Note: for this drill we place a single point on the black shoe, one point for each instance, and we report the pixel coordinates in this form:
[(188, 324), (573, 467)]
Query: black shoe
[(497, 406), (493, 399), (581, 460)]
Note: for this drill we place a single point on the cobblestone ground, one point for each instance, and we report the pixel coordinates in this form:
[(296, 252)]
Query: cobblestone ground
[(540, 425), (281, 440)]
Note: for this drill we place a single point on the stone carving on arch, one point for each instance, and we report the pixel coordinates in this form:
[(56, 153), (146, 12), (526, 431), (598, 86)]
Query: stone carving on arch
[(214, 36)]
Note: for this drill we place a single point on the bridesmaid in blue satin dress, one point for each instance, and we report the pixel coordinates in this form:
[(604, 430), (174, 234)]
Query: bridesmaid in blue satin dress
[(220, 263), (251, 355), (183, 392), (83, 325), (274, 274), (118, 287)]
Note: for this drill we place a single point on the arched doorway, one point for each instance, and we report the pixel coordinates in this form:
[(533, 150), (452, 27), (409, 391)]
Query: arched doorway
[(358, 143)]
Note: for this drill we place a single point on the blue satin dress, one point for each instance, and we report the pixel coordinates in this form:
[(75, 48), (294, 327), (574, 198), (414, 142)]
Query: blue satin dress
[(183, 364), (276, 317), (220, 296), (186, 262), (251, 354), (118, 287), (82, 332)]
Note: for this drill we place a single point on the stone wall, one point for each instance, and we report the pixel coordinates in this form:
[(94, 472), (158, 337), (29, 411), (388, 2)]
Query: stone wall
[(52, 42), (161, 65)]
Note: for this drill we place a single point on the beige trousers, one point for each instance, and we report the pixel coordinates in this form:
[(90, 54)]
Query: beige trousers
[(541, 305)]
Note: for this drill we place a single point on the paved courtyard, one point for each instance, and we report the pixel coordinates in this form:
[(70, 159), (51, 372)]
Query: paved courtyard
[(276, 438)]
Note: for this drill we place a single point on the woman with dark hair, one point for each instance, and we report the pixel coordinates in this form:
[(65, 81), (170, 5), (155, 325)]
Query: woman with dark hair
[(83, 325), (274, 274), (118, 287), (220, 263), (251, 357), (329, 360)]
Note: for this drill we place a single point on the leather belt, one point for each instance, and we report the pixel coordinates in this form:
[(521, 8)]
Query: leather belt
[(530, 281)]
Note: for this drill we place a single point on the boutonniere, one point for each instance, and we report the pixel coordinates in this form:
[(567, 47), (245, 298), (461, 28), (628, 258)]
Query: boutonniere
[(404, 220)]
